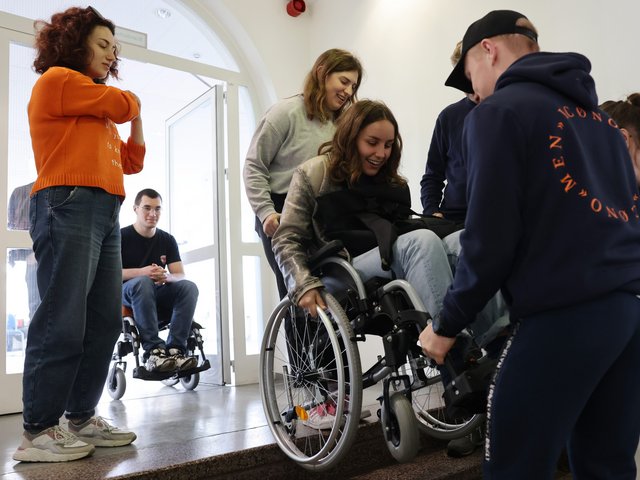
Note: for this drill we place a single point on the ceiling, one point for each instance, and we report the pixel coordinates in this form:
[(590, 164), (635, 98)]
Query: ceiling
[(170, 28), (168, 25)]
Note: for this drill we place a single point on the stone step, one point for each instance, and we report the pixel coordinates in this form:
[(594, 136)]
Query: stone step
[(368, 458)]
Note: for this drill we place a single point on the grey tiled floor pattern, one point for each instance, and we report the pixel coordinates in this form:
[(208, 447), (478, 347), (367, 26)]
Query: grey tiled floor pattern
[(173, 426), (190, 425)]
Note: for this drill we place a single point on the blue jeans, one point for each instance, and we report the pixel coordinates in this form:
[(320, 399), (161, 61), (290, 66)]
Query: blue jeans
[(76, 240), (494, 317), (418, 257), (147, 299)]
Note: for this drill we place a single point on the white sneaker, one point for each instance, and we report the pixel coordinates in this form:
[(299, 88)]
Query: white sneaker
[(52, 445), (98, 432)]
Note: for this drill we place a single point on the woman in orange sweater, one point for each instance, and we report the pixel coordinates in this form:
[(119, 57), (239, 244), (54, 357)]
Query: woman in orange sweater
[(74, 209)]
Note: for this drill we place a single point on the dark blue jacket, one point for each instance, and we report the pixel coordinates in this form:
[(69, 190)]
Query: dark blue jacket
[(552, 217), (444, 162)]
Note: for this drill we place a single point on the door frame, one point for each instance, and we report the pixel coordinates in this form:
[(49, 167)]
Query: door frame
[(240, 369), (216, 251)]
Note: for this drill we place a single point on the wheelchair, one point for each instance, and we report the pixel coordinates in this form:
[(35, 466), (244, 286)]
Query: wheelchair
[(307, 362), (130, 342)]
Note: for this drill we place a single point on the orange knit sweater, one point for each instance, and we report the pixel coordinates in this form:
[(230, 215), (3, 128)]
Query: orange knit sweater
[(74, 138)]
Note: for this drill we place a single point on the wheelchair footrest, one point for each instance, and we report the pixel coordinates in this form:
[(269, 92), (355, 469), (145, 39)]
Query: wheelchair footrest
[(200, 368), (144, 374)]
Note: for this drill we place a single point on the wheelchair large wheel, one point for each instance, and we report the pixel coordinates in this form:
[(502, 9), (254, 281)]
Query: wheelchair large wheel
[(428, 404), (401, 429), (116, 383), (310, 367)]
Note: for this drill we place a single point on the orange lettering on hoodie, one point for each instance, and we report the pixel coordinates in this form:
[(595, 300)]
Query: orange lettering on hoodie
[(555, 142)]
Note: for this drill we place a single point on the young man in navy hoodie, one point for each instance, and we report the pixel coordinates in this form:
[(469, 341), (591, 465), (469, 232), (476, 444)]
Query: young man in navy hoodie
[(553, 222)]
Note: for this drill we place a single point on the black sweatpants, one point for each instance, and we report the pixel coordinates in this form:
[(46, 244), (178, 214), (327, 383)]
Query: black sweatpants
[(568, 377), (278, 204)]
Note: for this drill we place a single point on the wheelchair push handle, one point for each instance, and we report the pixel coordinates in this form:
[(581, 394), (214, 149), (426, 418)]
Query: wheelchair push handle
[(329, 250)]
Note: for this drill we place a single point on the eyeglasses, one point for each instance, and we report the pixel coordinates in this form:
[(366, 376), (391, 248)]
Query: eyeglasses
[(147, 209)]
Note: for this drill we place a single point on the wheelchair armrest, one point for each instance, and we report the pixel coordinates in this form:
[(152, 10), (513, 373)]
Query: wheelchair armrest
[(328, 250)]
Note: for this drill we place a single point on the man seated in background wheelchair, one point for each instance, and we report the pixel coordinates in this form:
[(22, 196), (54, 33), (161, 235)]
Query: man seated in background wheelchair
[(353, 192), (153, 282)]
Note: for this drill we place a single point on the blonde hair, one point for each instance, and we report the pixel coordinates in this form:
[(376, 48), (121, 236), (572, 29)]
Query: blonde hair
[(457, 53), (522, 44)]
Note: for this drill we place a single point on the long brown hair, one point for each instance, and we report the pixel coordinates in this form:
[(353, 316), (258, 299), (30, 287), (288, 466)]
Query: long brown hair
[(344, 159), (314, 91), (63, 41), (626, 113)]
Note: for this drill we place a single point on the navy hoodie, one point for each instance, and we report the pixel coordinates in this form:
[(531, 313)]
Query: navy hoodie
[(552, 218), (444, 162)]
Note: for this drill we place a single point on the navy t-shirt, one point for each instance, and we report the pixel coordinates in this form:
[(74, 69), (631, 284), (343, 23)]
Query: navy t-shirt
[(138, 251)]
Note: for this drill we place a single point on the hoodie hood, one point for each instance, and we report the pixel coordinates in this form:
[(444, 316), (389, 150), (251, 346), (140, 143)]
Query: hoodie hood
[(566, 73)]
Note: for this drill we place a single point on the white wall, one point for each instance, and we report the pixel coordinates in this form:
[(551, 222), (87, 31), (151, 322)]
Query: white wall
[(271, 45), (405, 47)]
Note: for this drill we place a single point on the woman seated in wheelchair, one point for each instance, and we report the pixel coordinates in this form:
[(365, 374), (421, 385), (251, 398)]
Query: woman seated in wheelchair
[(353, 192)]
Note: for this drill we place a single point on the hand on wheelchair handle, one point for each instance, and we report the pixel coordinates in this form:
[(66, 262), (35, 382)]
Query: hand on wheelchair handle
[(434, 346), (271, 224)]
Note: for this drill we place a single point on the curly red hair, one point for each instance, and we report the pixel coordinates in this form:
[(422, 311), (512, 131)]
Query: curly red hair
[(62, 42)]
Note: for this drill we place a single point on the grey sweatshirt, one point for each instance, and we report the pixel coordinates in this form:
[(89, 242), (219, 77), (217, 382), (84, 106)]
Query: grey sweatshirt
[(284, 138)]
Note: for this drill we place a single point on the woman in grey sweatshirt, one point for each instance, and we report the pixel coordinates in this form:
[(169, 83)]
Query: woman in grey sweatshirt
[(291, 132)]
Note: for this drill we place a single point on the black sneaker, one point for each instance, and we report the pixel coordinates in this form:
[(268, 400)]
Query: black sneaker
[(461, 447)]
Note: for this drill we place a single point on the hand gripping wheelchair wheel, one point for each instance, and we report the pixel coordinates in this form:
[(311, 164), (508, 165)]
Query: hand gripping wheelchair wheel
[(431, 399), (309, 372)]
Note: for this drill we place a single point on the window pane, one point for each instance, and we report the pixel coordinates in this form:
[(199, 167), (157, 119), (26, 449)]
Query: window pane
[(164, 92), (22, 168), (247, 127), (253, 321), (21, 300), (207, 308), (193, 186)]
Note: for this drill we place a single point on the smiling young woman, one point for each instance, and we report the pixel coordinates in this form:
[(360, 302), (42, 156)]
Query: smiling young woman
[(290, 133), (360, 163), (75, 201)]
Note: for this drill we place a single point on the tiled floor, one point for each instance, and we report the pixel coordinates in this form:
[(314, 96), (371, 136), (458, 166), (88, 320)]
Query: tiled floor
[(230, 418), (173, 426)]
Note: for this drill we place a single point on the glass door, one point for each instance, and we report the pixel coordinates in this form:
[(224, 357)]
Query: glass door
[(17, 282), (233, 294), (196, 206)]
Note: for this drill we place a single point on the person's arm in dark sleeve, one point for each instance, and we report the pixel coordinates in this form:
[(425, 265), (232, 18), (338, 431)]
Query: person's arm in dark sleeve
[(495, 149), (432, 182)]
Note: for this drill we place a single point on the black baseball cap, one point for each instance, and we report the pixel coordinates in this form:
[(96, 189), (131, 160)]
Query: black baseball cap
[(497, 22)]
